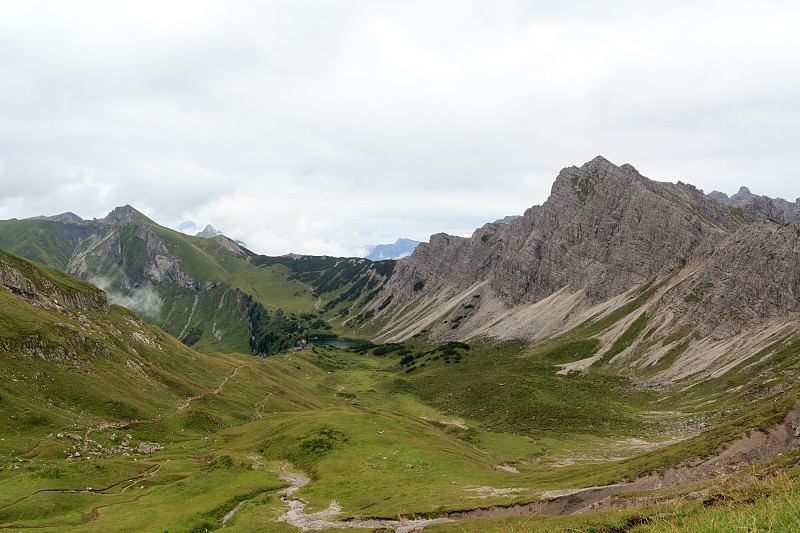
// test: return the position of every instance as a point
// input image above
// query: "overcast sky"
(322, 126)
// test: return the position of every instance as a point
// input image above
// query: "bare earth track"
(748, 450)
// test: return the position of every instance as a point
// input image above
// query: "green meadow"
(107, 423)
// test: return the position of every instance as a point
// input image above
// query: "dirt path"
(748, 450)
(184, 405)
(189, 400)
(296, 515)
(262, 404)
(89, 490)
(457, 423)
(233, 512)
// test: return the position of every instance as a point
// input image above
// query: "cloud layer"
(320, 127)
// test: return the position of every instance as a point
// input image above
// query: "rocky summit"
(607, 235)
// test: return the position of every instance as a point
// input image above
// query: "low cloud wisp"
(144, 300)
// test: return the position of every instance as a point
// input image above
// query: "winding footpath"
(123, 423)
(89, 490)
(182, 407)
(552, 502)
(297, 517)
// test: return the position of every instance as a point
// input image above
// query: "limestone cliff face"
(603, 231)
(757, 207)
(130, 251)
(753, 275)
(765, 208)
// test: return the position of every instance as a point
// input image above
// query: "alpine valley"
(624, 357)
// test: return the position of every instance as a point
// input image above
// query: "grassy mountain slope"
(409, 429)
(198, 289)
(65, 365)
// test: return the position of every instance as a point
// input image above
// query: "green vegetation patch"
(627, 338)
(523, 395)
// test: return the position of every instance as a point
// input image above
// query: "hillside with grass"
(210, 293)
(108, 422)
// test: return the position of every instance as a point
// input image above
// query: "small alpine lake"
(338, 342)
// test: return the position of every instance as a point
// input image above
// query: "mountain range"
(620, 307)
(401, 248)
(724, 268)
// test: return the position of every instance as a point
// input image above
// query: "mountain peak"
(69, 216)
(581, 182)
(125, 214)
(120, 214)
(598, 159)
(209, 232)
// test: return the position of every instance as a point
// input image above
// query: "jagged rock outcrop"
(603, 229)
(14, 280)
(765, 208)
(757, 207)
(737, 200)
(753, 275)
(119, 215)
(34, 286)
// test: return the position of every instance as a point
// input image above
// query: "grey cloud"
(315, 127)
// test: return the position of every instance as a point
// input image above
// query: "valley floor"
(330, 439)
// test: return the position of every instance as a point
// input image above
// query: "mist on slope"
(143, 300)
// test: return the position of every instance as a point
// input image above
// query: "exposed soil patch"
(491, 492)
(456, 423)
(749, 449)
(321, 520)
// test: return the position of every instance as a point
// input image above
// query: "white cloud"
(322, 127)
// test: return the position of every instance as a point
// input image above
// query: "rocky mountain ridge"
(610, 247)
(397, 250)
(603, 229)
(757, 207)
(659, 274)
